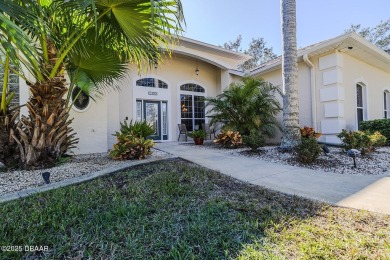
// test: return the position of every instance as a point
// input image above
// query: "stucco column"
(331, 97)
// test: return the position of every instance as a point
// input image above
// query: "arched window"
(151, 83)
(192, 87)
(386, 104)
(192, 106)
(361, 103)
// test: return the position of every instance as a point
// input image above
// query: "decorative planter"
(198, 141)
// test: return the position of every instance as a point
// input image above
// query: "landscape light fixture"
(325, 148)
(353, 153)
(46, 177)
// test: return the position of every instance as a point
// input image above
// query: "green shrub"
(360, 140)
(254, 140)
(308, 150)
(137, 129)
(246, 105)
(131, 141)
(380, 125)
(229, 139)
(129, 147)
(198, 134)
(377, 139)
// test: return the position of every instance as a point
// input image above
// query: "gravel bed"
(16, 180)
(337, 161)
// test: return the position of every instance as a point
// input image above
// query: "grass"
(177, 210)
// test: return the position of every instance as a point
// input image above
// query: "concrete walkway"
(369, 192)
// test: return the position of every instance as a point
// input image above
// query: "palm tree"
(93, 41)
(291, 134)
(14, 43)
(250, 104)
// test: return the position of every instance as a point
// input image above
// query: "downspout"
(312, 90)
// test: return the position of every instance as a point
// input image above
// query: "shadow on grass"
(173, 210)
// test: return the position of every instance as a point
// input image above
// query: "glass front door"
(152, 116)
(156, 114)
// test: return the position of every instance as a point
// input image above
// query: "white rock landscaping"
(337, 161)
(79, 165)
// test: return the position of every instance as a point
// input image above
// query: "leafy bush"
(360, 140)
(307, 132)
(377, 139)
(229, 139)
(131, 141)
(129, 147)
(250, 104)
(137, 129)
(254, 140)
(308, 150)
(380, 125)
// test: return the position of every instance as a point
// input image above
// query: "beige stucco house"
(341, 81)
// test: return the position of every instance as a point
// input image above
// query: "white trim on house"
(243, 56)
(364, 51)
(141, 93)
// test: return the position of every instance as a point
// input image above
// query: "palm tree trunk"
(8, 147)
(291, 134)
(45, 134)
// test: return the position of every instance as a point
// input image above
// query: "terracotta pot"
(198, 141)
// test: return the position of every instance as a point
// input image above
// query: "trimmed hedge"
(380, 125)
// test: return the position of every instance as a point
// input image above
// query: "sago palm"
(250, 104)
(93, 40)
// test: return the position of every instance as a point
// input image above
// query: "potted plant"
(198, 136)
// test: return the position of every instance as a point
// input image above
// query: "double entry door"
(156, 114)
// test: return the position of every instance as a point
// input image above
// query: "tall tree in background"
(378, 35)
(257, 49)
(291, 134)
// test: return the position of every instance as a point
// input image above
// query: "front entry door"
(152, 112)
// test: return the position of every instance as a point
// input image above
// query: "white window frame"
(364, 103)
(386, 104)
(192, 94)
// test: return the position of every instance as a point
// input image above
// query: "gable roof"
(362, 50)
(218, 56)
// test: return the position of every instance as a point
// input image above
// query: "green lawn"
(177, 210)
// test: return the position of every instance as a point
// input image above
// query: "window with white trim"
(361, 106)
(192, 106)
(151, 83)
(386, 104)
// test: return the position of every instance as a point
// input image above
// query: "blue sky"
(219, 21)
